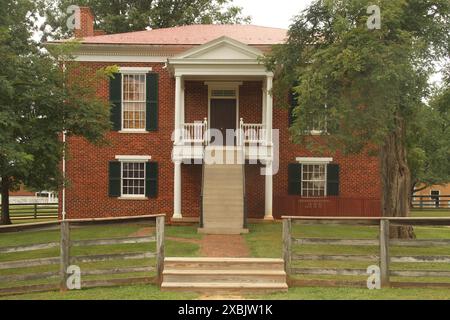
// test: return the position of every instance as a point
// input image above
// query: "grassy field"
(264, 240)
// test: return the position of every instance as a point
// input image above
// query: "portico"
(223, 66)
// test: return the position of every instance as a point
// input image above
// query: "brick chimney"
(86, 23)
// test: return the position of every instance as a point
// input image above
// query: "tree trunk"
(5, 219)
(395, 177)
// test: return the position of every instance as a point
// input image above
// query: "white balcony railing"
(251, 133)
(248, 133)
(195, 132)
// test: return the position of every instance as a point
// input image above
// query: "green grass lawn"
(326, 293)
(430, 213)
(138, 292)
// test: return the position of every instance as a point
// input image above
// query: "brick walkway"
(225, 246)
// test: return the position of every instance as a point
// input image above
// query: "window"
(133, 179)
(223, 93)
(133, 101)
(314, 180)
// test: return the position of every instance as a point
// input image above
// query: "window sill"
(134, 131)
(133, 198)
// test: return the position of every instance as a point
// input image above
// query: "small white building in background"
(39, 197)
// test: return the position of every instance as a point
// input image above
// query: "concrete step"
(212, 205)
(219, 229)
(224, 276)
(224, 288)
(196, 263)
(226, 188)
(225, 198)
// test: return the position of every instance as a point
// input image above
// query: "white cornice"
(120, 58)
(313, 160)
(252, 52)
(133, 158)
(135, 69)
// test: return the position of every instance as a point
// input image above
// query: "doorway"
(222, 118)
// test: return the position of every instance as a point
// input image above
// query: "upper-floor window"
(133, 101)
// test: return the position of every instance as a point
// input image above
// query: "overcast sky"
(272, 13)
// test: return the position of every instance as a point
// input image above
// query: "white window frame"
(315, 161)
(130, 159)
(134, 71)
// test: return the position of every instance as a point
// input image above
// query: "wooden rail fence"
(20, 211)
(383, 258)
(67, 258)
(431, 202)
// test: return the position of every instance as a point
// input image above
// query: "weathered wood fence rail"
(66, 258)
(33, 211)
(383, 258)
(424, 202)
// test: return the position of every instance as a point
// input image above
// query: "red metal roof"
(195, 35)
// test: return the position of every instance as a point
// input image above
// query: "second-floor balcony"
(194, 137)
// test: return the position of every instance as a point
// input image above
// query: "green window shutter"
(295, 179)
(115, 98)
(151, 179)
(114, 178)
(151, 115)
(333, 180)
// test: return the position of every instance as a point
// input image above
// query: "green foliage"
(137, 15)
(37, 104)
(370, 80)
(429, 142)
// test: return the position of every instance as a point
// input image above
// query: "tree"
(137, 15)
(372, 81)
(429, 143)
(36, 105)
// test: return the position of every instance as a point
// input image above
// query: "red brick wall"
(87, 165)
(196, 101)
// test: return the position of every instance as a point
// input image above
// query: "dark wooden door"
(223, 117)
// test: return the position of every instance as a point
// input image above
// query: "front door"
(223, 117)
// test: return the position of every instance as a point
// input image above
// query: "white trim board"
(119, 58)
(128, 158)
(313, 160)
(135, 70)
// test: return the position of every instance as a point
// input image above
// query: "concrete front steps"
(224, 275)
(223, 199)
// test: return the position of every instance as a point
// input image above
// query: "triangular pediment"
(223, 48)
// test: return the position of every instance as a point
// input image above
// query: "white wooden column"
(182, 103)
(268, 192)
(178, 107)
(264, 98)
(177, 163)
(269, 109)
(177, 190)
(268, 121)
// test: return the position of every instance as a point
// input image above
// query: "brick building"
(178, 89)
